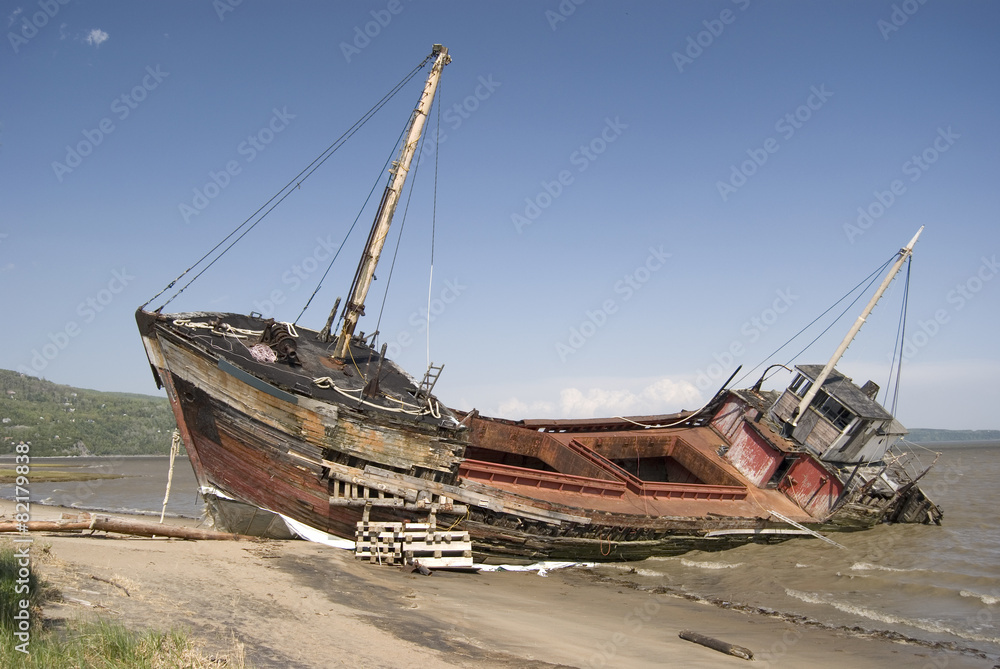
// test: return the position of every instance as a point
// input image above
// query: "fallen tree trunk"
(117, 525)
(716, 644)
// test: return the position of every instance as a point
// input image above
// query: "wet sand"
(297, 604)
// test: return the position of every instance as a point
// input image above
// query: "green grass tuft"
(94, 644)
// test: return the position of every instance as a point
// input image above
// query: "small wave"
(710, 565)
(868, 566)
(883, 617)
(637, 570)
(127, 511)
(989, 600)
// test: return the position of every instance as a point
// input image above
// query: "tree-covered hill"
(62, 420)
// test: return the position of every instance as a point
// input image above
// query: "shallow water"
(935, 584)
(139, 491)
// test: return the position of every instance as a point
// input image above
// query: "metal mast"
(376, 240)
(904, 253)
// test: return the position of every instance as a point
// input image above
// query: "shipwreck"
(292, 431)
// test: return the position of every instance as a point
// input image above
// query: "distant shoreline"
(971, 443)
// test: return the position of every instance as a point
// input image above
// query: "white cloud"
(96, 37)
(515, 407)
(661, 396)
(657, 397)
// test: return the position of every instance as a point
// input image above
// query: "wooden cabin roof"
(843, 389)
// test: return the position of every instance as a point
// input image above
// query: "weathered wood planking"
(407, 543)
(322, 425)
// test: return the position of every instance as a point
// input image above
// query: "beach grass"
(10, 592)
(111, 645)
(91, 643)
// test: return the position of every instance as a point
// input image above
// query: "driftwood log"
(716, 644)
(117, 525)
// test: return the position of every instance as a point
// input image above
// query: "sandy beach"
(298, 604)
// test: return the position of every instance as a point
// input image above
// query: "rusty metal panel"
(701, 465)
(811, 486)
(753, 456)
(499, 436)
(729, 416)
(496, 473)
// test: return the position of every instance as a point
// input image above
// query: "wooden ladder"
(430, 380)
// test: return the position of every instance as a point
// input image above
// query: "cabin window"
(796, 384)
(833, 411)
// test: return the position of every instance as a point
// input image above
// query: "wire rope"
(283, 193)
(869, 280)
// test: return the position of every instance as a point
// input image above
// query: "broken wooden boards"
(411, 543)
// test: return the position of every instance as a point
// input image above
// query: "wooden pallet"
(407, 543)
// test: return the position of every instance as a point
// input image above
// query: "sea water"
(934, 584)
(139, 488)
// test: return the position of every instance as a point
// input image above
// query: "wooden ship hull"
(268, 442)
(291, 430)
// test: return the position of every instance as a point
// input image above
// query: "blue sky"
(633, 198)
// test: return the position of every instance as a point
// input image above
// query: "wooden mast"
(904, 253)
(380, 228)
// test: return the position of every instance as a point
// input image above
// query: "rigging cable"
(870, 279)
(430, 280)
(351, 229)
(900, 345)
(296, 181)
(395, 253)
